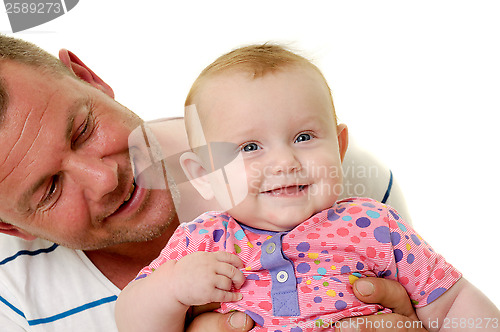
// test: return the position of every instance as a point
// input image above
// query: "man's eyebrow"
(72, 111)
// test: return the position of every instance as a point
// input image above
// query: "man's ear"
(81, 70)
(15, 231)
(343, 139)
(197, 175)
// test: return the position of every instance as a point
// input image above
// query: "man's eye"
(250, 147)
(303, 137)
(53, 190)
(83, 131)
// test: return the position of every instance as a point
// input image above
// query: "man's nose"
(97, 176)
(284, 161)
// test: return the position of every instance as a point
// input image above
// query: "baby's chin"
(281, 225)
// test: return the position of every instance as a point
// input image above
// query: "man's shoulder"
(47, 284)
(12, 247)
(37, 257)
(18, 256)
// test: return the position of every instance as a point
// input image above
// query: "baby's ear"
(197, 175)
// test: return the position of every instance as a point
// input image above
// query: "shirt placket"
(284, 293)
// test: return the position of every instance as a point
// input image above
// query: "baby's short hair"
(257, 60)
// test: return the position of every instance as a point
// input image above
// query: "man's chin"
(113, 241)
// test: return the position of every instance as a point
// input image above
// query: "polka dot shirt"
(302, 279)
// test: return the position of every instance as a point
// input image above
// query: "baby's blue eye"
(250, 147)
(303, 137)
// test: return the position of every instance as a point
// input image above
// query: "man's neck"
(121, 264)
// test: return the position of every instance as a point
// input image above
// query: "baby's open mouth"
(286, 190)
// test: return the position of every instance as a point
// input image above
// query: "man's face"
(65, 173)
(283, 125)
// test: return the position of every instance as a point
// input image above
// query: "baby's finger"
(226, 257)
(232, 273)
(225, 296)
(223, 283)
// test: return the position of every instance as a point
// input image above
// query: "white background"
(418, 83)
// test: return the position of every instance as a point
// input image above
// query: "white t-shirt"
(46, 287)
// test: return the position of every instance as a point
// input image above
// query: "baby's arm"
(160, 301)
(462, 308)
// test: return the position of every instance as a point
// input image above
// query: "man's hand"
(215, 322)
(391, 295)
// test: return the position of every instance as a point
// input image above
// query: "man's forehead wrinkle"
(21, 136)
(38, 132)
(21, 204)
(29, 114)
(18, 139)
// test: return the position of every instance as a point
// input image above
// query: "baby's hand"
(205, 277)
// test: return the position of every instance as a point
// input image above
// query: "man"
(81, 226)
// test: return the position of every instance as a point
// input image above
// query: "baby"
(266, 144)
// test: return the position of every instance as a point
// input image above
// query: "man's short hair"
(27, 53)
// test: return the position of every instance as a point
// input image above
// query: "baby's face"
(284, 126)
